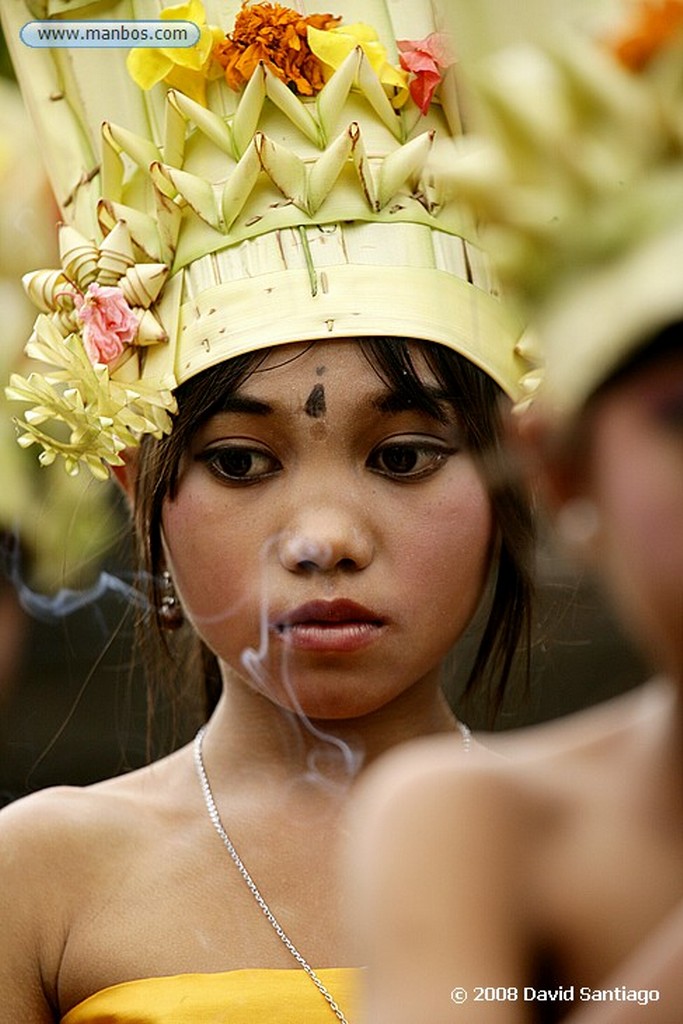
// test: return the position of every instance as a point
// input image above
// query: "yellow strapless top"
(262, 996)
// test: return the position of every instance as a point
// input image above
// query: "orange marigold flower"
(276, 36)
(655, 23)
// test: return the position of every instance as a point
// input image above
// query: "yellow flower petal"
(361, 32)
(194, 57)
(394, 77)
(192, 11)
(376, 54)
(331, 48)
(184, 68)
(334, 46)
(147, 67)
(191, 83)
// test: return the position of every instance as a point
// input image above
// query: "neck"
(250, 734)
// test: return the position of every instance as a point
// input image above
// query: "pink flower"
(109, 323)
(426, 59)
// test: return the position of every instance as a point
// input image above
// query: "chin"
(333, 707)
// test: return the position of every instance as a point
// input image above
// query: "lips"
(334, 626)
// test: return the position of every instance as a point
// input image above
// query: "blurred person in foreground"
(543, 882)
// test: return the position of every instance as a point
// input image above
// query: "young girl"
(269, 323)
(544, 882)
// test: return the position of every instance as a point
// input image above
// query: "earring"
(578, 523)
(170, 610)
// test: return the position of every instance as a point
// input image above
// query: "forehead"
(324, 365)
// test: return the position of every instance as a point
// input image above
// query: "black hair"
(476, 400)
(668, 341)
(479, 402)
(571, 444)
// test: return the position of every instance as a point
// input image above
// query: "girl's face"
(328, 543)
(636, 482)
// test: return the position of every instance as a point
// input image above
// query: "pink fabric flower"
(426, 59)
(109, 323)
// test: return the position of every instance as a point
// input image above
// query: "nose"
(326, 540)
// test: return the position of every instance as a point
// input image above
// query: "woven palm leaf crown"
(205, 218)
(578, 179)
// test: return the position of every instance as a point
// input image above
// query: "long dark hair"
(475, 398)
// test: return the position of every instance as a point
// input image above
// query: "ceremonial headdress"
(578, 178)
(269, 184)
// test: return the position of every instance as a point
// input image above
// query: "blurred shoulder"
(506, 783)
(435, 776)
(433, 804)
(442, 846)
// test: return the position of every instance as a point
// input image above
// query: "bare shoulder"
(434, 782)
(56, 834)
(57, 847)
(596, 732)
(509, 788)
(63, 819)
(46, 841)
(41, 831)
(428, 817)
(462, 859)
(439, 862)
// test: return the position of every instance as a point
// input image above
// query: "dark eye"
(411, 460)
(239, 464)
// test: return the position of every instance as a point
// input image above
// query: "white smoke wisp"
(66, 601)
(328, 750)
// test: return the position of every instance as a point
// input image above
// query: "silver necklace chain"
(465, 735)
(215, 818)
(251, 884)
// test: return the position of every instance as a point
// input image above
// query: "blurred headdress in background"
(577, 177)
(54, 529)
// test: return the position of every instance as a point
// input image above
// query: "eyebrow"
(244, 404)
(429, 400)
